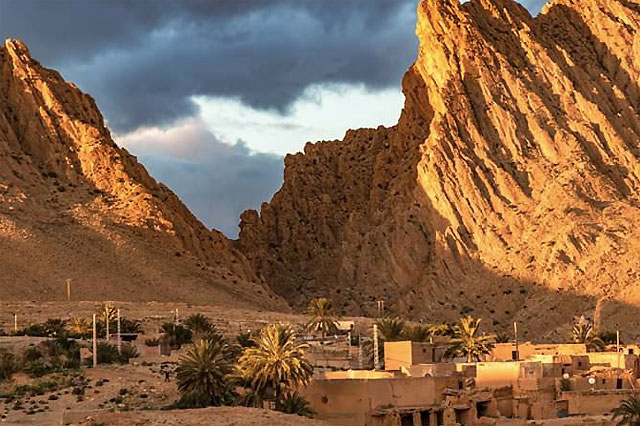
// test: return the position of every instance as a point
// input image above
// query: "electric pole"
(95, 343)
(376, 354)
(119, 335)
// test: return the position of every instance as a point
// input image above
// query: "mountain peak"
(510, 182)
(75, 205)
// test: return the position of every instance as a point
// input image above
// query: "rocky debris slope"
(75, 205)
(508, 189)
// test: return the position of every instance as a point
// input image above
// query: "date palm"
(323, 317)
(202, 375)
(276, 363)
(468, 342)
(628, 412)
(440, 330)
(417, 333)
(582, 332)
(294, 403)
(391, 329)
(199, 325)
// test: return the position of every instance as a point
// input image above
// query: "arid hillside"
(508, 189)
(73, 205)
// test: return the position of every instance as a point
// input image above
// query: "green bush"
(51, 356)
(52, 327)
(108, 354)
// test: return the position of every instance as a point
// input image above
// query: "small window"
(630, 351)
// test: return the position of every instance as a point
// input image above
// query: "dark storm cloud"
(143, 60)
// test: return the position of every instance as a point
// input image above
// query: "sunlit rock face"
(75, 205)
(508, 189)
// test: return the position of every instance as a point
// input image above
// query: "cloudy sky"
(211, 94)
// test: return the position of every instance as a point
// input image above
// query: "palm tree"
(440, 330)
(294, 403)
(276, 363)
(199, 325)
(582, 332)
(628, 411)
(108, 315)
(468, 342)
(502, 338)
(202, 375)
(323, 317)
(391, 329)
(417, 333)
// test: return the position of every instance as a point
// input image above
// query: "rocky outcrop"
(75, 205)
(508, 189)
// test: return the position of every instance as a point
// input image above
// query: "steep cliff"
(508, 189)
(75, 205)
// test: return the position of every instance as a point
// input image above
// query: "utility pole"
(515, 336)
(68, 289)
(15, 322)
(119, 335)
(107, 321)
(380, 304)
(176, 316)
(376, 354)
(359, 351)
(95, 343)
(618, 347)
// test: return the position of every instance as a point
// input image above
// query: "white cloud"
(323, 112)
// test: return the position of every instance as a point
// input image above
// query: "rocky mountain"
(508, 189)
(73, 205)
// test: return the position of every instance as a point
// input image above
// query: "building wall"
(397, 355)
(406, 354)
(593, 404)
(503, 351)
(352, 402)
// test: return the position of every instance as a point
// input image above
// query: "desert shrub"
(79, 328)
(51, 356)
(152, 342)
(3, 332)
(108, 353)
(128, 351)
(8, 365)
(52, 327)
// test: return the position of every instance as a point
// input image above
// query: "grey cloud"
(143, 60)
(216, 180)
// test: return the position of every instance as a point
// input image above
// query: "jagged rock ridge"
(75, 205)
(508, 189)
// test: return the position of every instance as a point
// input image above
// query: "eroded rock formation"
(75, 205)
(508, 189)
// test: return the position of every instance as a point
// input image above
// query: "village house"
(417, 388)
